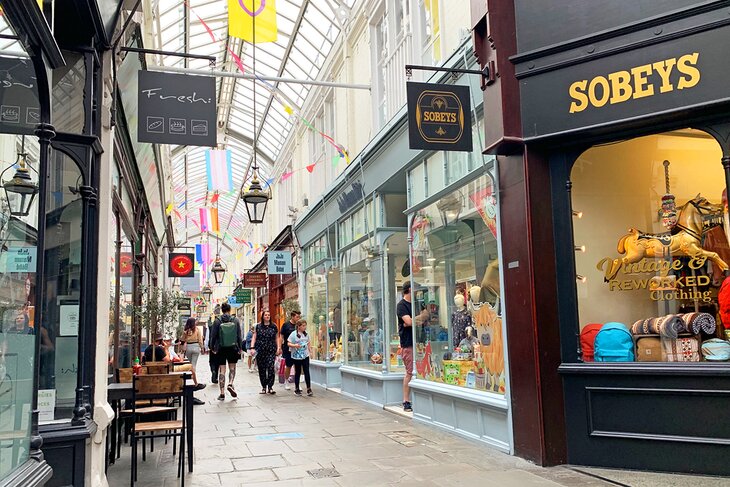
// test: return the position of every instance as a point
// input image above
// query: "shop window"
(334, 316)
(362, 301)
(62, 298)
(396, 251)
(435, 173)
(668, 190)
(417, 184)
(18, 257)
(459, 334)
(68, 94)
(316, 282)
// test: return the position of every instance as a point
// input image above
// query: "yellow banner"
(244, 15)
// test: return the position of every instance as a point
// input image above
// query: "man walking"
(286, 330)
(405, 332)
(226, 346)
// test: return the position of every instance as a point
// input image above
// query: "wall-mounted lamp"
(577, 214)
(580, 278)
(580, 248)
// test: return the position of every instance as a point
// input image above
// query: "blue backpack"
(614, 343)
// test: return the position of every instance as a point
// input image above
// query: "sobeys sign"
(439, 117)
(642, 275)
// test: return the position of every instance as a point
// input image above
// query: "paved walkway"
(285, 440)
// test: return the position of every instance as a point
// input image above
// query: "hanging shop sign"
(176, 109)
(279, 262)
(243, 296)
(19, 259)
(125, 264)
(669, 76)
(254, 279)
(19, 105)
(181, 265)
(439, 117)
(183, 304)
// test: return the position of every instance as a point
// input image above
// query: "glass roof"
(307, 30)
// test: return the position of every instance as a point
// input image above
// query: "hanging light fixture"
(218, 270)
(207, 292)
(449, 208)
(20, 191)
(255, 198)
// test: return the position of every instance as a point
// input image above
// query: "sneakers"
(232, 391)
(199, 387)
(407, 406)
(197, 402)
(287, 386)
(222, 397)
(298, 392)
(310, 393)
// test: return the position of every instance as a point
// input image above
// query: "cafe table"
(118, 392)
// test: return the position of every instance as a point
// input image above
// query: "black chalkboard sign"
(19, 105)
(176, 109)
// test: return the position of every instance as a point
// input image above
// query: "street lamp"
(20, 191)
(256, 198)
(207, 292)
(218, 270)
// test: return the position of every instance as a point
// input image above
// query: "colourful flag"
(246, 15)
(218, 169)
(209, 220)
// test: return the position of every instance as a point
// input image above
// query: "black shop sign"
(176, 109)
(674, 75)
(19, 105)
(439, 117)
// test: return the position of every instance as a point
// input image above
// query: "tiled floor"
(285, 440)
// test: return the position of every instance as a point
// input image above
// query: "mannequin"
(460, 320)
(474, 293)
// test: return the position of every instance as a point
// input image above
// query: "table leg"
(114, 428)
(189, 425)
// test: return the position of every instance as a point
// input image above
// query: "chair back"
(156, 368)
(155, 386)
(124, 375)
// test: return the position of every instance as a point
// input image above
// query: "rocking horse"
(686, 241)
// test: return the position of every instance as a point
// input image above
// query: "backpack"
(228, 333)
(587, 340)
(614, 343)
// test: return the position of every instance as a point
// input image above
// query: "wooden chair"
(157, 386)
(156, 368)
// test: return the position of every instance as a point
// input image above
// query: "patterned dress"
(266, 353)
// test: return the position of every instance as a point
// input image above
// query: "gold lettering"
(697, 261)
(620, 86)
(686, 65)
(664, 68)
(614, 285)
(577, 92)
(641, 89)
(605, 89)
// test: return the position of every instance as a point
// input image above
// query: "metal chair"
(157, 386)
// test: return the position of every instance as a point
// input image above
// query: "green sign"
(243, 296)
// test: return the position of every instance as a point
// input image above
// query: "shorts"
(227, 354)
(287, 359)
(407, 356)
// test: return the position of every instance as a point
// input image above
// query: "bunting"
(252, 21)
(218, 169)
(209, 220)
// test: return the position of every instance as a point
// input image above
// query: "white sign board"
(69, 319)
(46, 404)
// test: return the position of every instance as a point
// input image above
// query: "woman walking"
(193, 341)
(267, 343)
(301, 349)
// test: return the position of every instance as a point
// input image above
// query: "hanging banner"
(176, 109)
(181, 265)
(279, 262)
(439, 117)
(19, 105)
(254, 279)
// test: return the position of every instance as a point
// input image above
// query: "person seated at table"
(155, 352)
(172, 357)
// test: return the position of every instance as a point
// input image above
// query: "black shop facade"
(627, 133)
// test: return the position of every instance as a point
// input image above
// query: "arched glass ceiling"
(307, 32)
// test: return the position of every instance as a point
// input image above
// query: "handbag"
(648, 349)
(282, 370)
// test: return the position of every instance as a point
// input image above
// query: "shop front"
(628, 139)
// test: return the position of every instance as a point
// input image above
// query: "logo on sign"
(439, 117)
(181, 265)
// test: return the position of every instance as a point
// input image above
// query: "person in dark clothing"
(267, 343)
(404, 311)
(226, 344)
(286, 330)
(155, 352)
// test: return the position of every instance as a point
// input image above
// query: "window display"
(18, 272)
(652, 293)
(456, 290)
(316, 282)
(362, 302)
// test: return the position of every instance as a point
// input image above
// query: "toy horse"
(687, 241)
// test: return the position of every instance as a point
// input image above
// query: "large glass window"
(362, 302)
(650, 231)
(396, 251)
(316, 282)
(459, 334)
(62, 297)
(334, 316)
(18, 271)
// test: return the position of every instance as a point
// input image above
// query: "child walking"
(300, 351)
